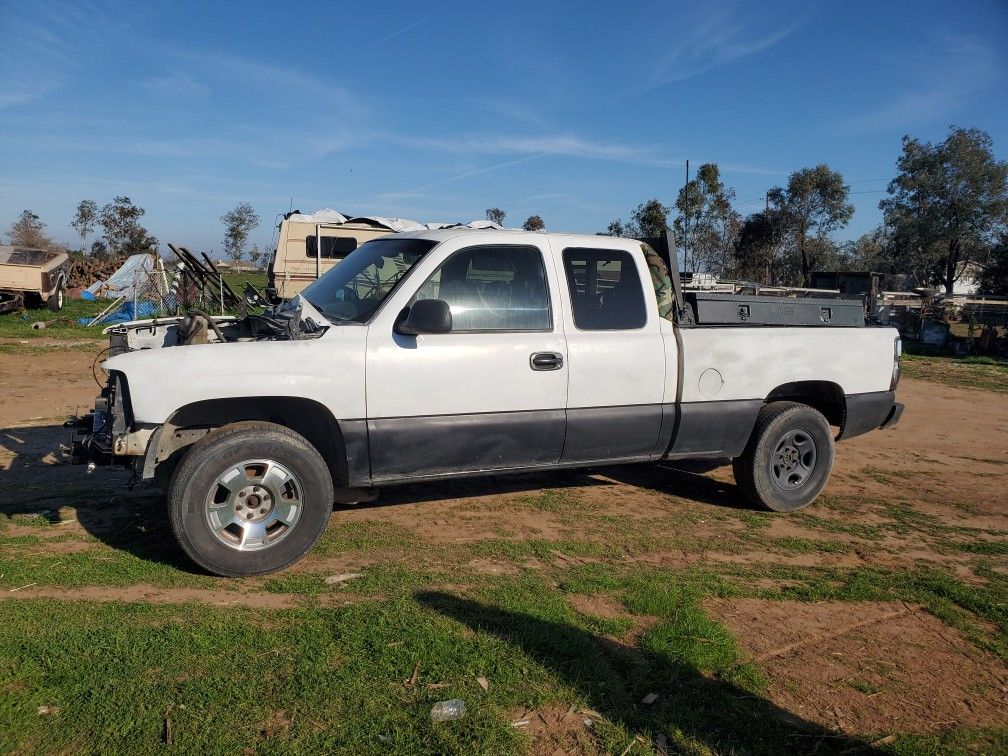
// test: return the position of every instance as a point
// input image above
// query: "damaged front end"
(105, 436)
(287, 321)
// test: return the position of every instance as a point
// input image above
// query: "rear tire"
(55, 302)
(788, 459)
(249, 498)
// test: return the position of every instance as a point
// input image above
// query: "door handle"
(546, 361)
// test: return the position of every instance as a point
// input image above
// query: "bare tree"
(27, 231)
(238, 224)
(496, 215)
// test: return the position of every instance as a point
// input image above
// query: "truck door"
(616, 354)
(491, 394)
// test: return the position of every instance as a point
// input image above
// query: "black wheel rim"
(794, 460)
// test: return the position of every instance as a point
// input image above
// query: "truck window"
(605, 289)
(355, 288)
(493, 288)
(332, 246)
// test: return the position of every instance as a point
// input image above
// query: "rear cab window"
(605, 289)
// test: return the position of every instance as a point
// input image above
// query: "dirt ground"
(869, 667)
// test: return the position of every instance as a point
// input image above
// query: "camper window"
(332, 246)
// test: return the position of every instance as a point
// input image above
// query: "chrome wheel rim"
(794, 459)
(253, 505)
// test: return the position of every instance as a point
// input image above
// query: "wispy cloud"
(509, 110)
(953, 72)
(549, 144)
(44, 41)
(405, 29)
(418, 191)
(177, 86)
(722, 36)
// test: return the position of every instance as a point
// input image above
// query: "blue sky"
(436, 111)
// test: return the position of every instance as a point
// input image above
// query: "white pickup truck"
(460, 352)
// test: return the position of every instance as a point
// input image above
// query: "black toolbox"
(716, 308)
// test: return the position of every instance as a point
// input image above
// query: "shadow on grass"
(693, 709)
(36, 483)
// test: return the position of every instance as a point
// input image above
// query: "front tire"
(788, 459)
(250, 498)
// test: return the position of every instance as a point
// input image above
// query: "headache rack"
(742, 303)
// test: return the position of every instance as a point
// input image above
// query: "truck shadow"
(613, 678)
(36, 483)
(684, 480)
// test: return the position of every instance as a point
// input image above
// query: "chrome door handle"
(546, 361)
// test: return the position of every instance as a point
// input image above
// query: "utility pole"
(685, 244)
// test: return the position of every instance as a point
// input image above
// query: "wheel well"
(824, 396)
(309, 418)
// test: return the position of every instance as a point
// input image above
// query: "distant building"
(231, 266)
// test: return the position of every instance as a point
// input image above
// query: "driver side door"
(492, 393)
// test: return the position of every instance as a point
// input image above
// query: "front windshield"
(359, 283)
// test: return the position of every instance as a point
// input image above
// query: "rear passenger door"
(616, 354)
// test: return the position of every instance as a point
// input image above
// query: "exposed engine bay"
(290, 320)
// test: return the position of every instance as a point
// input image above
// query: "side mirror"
(426, 316)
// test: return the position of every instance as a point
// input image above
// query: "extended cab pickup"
(460, 352)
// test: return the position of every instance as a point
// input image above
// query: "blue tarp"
(143, 311)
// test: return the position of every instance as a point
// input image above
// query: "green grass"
(987, 548)
(990, 373)
(327, 676)
(332, 679)
(15, 325)
(237, 281)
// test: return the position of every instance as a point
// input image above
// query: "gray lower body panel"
(355, 441)
(405, 448)
(714, 429)
(866, 412)
(604, 433)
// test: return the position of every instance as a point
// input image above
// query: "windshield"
(359, 283)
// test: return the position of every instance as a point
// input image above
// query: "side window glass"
(493, 288)
(605, 289)
(332, 246)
